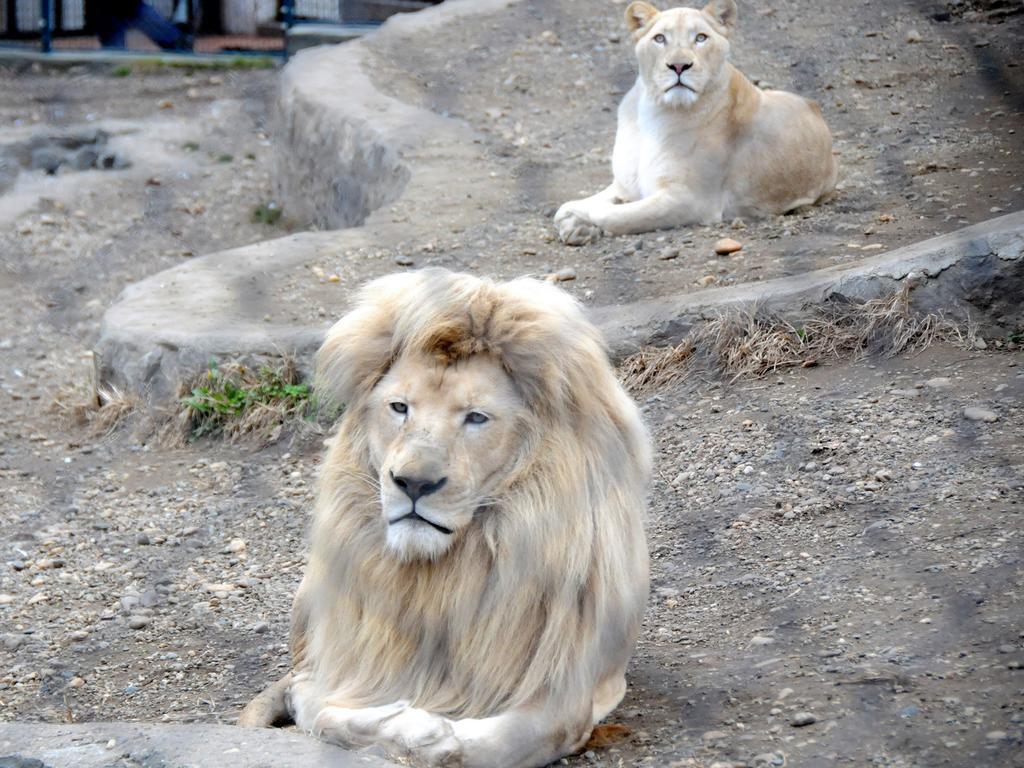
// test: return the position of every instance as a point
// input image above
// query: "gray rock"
(12, 642)
(20, 761)
(973, 413)
(84, 159)
(9, 170)
(138, 622)
(112, 161)
(801, 719)
(47, 159)
(83, 745)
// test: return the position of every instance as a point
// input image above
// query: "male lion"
(697, 141)
(479, 567)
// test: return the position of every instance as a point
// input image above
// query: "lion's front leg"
(522, 738)
(404, 732)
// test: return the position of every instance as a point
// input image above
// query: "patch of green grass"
(190, 65)
(190, 146)
(238, 401)
(122, 70)
(268, 213)
(225, 158)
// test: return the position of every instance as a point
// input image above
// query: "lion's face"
(443, 437)
(681, 52)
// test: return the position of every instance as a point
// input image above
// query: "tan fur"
(501, 644)
(714, 147)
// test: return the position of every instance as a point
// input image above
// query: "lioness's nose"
(680, 68)
(415, 487)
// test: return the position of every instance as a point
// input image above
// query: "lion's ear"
(358, 349)
(723, 13)
(639, 14)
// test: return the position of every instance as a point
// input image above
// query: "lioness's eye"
(701, 37)
(399, 407)
(660, 39)
(475, 417)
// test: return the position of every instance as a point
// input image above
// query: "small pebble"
(567, 273)
(727, 245)
(138, 622)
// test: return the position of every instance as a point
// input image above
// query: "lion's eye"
(475, 417)
(399, 407)
(701, 37)
(659, 39)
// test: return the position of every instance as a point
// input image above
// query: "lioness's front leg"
(575, 226)
(664, 209)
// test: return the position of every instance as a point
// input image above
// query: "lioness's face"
(680, 56)
(442, 437)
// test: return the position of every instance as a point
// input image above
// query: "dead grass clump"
(102, 412)
(654, 367)
(754, 343)
(235, 401)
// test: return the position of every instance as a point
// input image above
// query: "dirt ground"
(836, 552)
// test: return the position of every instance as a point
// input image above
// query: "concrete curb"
(169, 326)
(975, 272)
(151, 745)
(339, 142)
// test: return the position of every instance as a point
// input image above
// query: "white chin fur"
(678, 97)
(415, 540)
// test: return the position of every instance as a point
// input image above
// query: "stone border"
(151, 745)
(169, 326)
(973, 272)
(339, 142)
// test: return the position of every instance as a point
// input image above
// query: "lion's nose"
(415, 487)
(680, 68)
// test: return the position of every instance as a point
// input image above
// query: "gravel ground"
(836, 551)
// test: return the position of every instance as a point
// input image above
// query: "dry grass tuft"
(655, 367)
(102, 412)
(754, 343)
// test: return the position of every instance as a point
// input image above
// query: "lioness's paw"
(574, 228)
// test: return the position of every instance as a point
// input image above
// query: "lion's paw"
(574, 228)
(427, 739)
(403, 731)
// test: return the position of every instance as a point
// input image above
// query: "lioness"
(697, 141)
(479, 568)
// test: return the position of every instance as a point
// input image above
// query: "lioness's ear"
(639, 14)
(723, 13)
